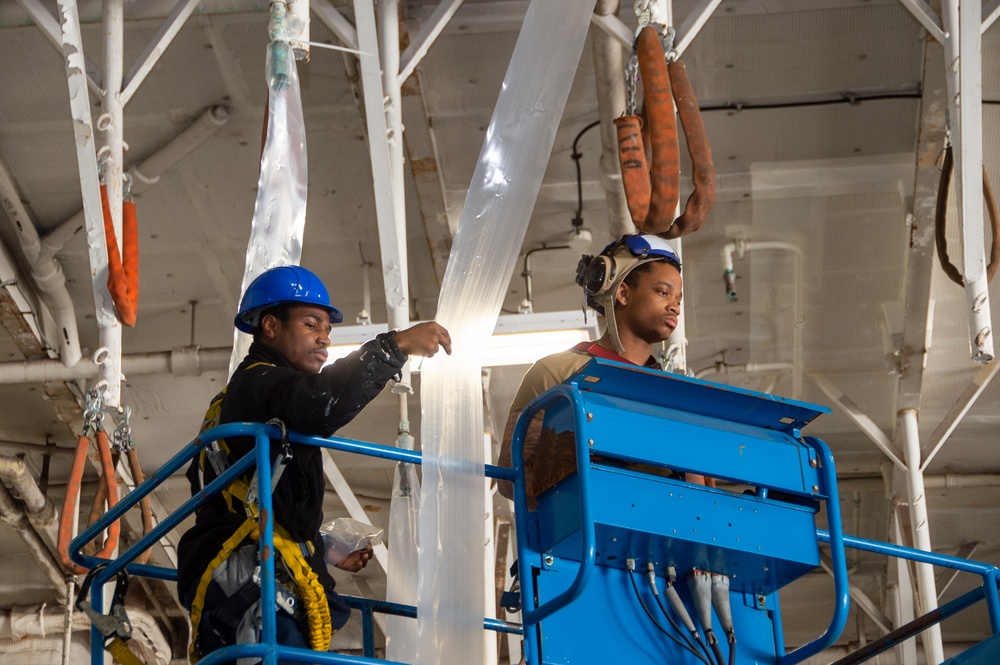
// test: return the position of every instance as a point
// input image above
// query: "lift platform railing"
(575, 396)
(105, 570)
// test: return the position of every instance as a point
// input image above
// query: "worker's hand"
(424, 339)
(355, 561)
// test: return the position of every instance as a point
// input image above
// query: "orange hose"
(635, 173)
(73, 486)
(72, 499)
(664, 173)
(703, 170)
(120, 279)
(147, 513)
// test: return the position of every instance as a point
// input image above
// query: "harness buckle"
(115, 625)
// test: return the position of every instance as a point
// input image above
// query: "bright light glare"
(506, 349)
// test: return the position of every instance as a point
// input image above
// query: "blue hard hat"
(283, 285)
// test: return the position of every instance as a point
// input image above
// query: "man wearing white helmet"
(289, 313)
(635, 282)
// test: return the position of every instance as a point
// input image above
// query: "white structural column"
(963, 47)
(86, 155)
(110, 124)
(909, 439)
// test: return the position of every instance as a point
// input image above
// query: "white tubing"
(183, 361)
(39, 510)
(497, 210)
(279, 214)
(13, 516)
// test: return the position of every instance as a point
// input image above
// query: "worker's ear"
(269, 326)
(621, 297)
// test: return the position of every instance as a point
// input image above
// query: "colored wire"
(631, 576)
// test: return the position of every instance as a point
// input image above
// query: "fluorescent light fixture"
(518, 339)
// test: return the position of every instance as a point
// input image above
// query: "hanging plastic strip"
(279, 214)
(493, 223)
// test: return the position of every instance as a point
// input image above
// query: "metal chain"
(631, 76)
(121, 439)
(93, 415)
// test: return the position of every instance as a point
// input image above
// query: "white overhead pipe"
(181, 361)
(22, 622)
(926, 593)
(37, 507)
(331, 17)
(13, 516)
(741, 247)
(146, 173)
(46, 272)
(725, 368)
(298, 28)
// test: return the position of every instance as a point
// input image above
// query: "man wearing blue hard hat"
(635, 283)
(289, 313)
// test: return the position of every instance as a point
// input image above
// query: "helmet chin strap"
(609, 316)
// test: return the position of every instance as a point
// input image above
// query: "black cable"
(663, 608)
(714, 643)
(631, 576)
(732, 648)
(577, 156)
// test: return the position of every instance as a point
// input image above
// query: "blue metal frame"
(682, 388)
(267, 649)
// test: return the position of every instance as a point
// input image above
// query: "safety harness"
(242, 494)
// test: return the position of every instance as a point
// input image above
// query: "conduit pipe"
(723, 368)
(13, 516)
(182, 361)
(46, 271)
(907, 429)
(739, 247)
(22, 622)
(145, 174)
(610, 84)
(37, 507)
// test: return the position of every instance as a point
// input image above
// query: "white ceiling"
(836, 179)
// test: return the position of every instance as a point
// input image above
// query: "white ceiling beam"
(948, 576)
(156, 47)
(614, 27)
(336, 22)
(425, 38)
(926, 16)
(693, 24)
(50, 28)
(859, 418)
(991, 12)
(964, 70)
(920, 257)
(958, 411)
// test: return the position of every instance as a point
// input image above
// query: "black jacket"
(314, 404)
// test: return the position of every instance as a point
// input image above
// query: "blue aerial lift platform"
(602, 539)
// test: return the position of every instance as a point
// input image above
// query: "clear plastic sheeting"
(279, 215)
(401, 581)
(505, 184)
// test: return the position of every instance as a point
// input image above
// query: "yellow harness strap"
(198, 604)
(121, 653)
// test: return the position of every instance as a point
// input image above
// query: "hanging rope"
(123, 280)
(648, 150)
(940, 221)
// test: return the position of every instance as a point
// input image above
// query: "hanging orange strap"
(123, 280)
(72, 499)
(652, 179)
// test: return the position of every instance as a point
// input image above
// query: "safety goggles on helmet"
(279, 286)
(598, 274)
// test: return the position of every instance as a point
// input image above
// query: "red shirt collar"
(598, 351)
